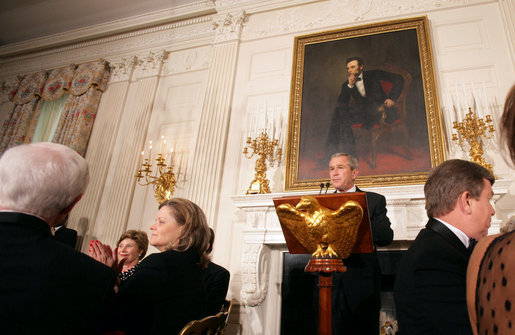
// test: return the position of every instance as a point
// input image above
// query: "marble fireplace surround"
(264, 245)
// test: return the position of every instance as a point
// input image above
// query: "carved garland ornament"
(255, 272)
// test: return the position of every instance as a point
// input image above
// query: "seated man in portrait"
(356, 292)
(362, 100)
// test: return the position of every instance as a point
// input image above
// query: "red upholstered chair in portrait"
(383, 128)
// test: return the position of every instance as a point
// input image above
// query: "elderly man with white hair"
(46, 287)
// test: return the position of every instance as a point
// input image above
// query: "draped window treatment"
(84, 84)
(49, 113)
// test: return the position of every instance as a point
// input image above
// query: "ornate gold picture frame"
(399, 151)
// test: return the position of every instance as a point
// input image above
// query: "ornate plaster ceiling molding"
(162, 19)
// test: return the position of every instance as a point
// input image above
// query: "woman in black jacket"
(167, 290)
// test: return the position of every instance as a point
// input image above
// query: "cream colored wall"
(197, 84)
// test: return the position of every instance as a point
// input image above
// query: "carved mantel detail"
(255, 269)
(406, 211)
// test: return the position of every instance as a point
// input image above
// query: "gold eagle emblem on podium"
(323, 232)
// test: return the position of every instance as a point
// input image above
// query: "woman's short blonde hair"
(138, 236)
(195, 232)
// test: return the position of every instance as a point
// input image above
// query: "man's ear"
(70, 207)
(463, 203)
(354, 174)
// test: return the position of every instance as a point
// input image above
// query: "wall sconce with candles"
(262, 142)
(475, 127)
(163, 180)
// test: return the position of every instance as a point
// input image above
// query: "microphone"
(321, 188)
(327, 186)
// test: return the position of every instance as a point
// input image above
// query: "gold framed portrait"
(395, 144)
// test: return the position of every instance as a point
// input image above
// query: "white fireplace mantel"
(264, 243)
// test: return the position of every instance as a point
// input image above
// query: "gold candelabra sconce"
(474, 129)
(268, 150)
(164, 179)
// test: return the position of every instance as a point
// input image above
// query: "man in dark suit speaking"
(361, 101)
(356, 292)
(430, 284)
(46, 287)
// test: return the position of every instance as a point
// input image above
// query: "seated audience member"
(64, 234)
(430, 285)
(508, 226)
(356, 294)
(491, 274)
(167, 291)
(132, 247)
(46, 287)
(216, 279)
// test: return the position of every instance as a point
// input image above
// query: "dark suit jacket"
(46, 287)
(67, 236)
(216, 280)
(163, 295)
(430, 285)
(352, 109)
(374, 90)
(356, 292)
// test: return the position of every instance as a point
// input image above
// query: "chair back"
(210, 325)
(226, 308)
(401, 100)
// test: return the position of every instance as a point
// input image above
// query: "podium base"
(325, 265)
(325, 268)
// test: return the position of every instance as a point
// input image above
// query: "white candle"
(485, 102)
(465, 95)
(450, 110)
(266, 128)
(247, 132)
(254, 122)
(274, 124)
(150, 151)
(161, 146)
(171, 157)
(180, 163)
(476, 101)
(281, 135)
(458, 99)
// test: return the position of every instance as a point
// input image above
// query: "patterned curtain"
(76, 122)
(85, 85)
(25, 98)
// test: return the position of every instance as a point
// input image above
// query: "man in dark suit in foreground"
(361, 101)
(45, 286)
(216, 280)
(430, 285)
(356, 292)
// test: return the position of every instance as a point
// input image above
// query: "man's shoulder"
(374, 195)
(371, 195)
(77, 259)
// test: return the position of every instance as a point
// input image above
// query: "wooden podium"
(326, 266)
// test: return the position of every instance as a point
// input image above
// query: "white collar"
(352, 189)
(459, 234)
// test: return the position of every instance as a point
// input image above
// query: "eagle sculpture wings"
(323, 232)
